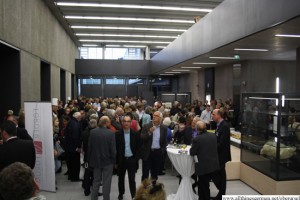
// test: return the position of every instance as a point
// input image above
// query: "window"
(91, 81)
(115, 81)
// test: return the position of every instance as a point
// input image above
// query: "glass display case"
(270, 141)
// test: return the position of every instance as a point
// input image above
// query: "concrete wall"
(112, 67)
(30, 26)
(30, 77)
(260, 76)
(223, 82)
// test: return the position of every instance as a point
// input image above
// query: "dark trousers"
(73, 163)
(129, 164)
(203, 186)
(219, 179)
(153, 164)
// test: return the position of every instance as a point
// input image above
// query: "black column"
(45, 81)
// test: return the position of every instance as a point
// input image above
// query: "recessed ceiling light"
(172, 72)
(225, 58)
(129, 28)
(287, 35)
(191, 67)
(123, 35)
(159, 47)
(105, 5)
(181, 70)
(135, 46)
(204, 63)
(166, 74)
(131, 19)
(153, 51)
(126, 41)
(238, 49)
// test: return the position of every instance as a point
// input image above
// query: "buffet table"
(184, 164)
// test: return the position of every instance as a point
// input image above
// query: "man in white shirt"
(206, 116)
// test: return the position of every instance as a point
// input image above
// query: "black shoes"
(194, 185)
(120, 197)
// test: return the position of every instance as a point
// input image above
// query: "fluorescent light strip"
(237, 49)
(203, 63)
(104, 5)
(286, 35)
(225, 58)
(112, 45)
(181, 70)
(131, 19)
(191, 67)
(129, 28)
(120, 35)
(159, 47)
(135, 46)
(125, 41)
(166, 74)
(89, 45)
(173, 72)
(153, 51)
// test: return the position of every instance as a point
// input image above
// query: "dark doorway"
(45, 81)
(10, 80)
(72, 86)
(63, 85)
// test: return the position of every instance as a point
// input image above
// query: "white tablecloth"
(184, 164)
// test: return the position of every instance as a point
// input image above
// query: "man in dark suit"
(73, 146)
(154, 141)
(127, 143)
(223, 141)
(205, 148)
(21, 132)
(101, 157)
(14, 149)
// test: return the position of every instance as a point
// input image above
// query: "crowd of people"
(114, 133)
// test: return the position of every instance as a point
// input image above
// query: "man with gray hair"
(73, 147)
(204, 147)
(88, 172)
(154, 141)
(102, 157)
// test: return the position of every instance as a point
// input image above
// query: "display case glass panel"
(270, 141)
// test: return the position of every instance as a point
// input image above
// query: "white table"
(184, 164)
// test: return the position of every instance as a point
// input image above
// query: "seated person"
(17, 182)
(150, 190)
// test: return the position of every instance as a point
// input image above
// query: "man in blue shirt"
(127, 144)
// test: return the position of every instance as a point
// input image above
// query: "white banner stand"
(38, 122)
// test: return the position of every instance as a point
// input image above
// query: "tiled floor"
(72, 191)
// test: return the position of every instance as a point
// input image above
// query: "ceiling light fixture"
(159, 47)
(181, 70)
(131, 19)
(191, 67)
(173, 72)
(238, 49)
(129, 28)
(134, 46)
(153, 51)
(112, 45)
(104, 5)
(123, 35)
(89, 45)
(126, 41)
(166, 74)
(225, 58)
(203, 63)
(287, 35)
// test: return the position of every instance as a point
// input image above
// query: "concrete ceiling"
(279, 48)
(60, 11)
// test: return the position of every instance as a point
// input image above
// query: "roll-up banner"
(38, 122)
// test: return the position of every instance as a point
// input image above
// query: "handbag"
(59, 149)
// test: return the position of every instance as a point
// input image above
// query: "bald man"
(101, 157)
(205, 148)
